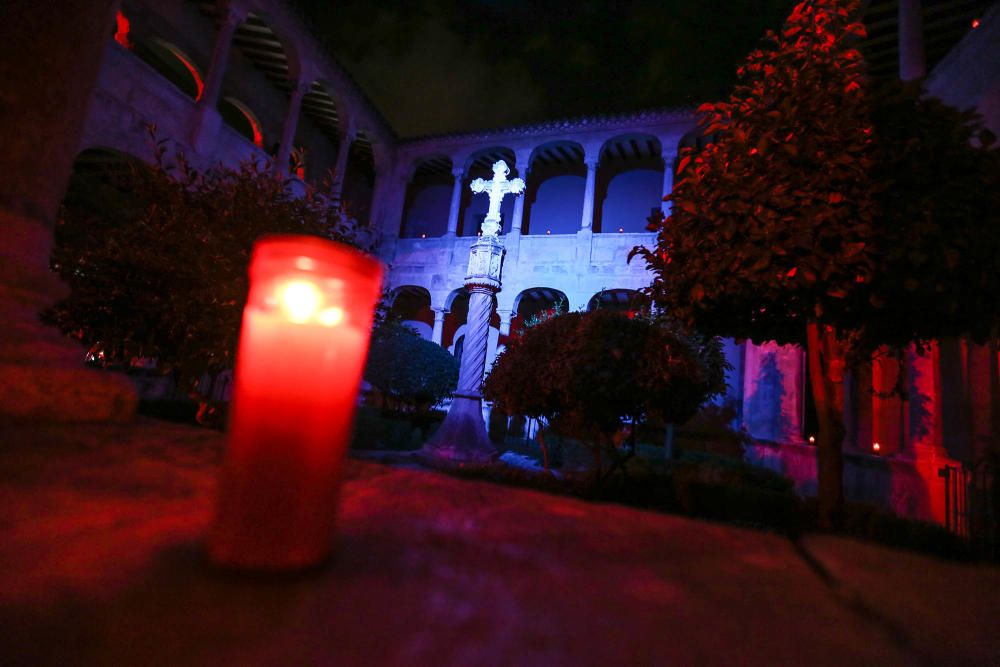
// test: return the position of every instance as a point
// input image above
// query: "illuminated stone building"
(246, 79)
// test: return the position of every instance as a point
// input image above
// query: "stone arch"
(412, 305)
(97, 183)
(323, 112)
(277, 57)
(104, 162)
(428, 198)
(533, 301)
(359, 179)
(619, 300)
(555, 189)
(457, 303)
(241, 118)
(172, 63)
(473, 208)
(694, 141)
(629, 183)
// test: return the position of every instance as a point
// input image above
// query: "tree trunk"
(826, 374)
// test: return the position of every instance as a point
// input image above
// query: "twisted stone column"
(462, 437)
(477, 330)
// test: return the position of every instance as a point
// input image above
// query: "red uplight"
(190, 67)
(122, 28)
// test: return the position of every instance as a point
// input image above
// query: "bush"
(156, 257)
(588, 374)
(875, 524)
(408, 371)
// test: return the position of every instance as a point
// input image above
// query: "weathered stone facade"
(239, 79)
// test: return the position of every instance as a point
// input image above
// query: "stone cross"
(496, 189)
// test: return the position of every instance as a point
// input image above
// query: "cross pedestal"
(462, 436)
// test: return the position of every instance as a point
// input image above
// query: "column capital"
(458, 172)
(302, 85)
(440, 310)
(591, 163)
(233, 13)
(522, 157)
(347, 135)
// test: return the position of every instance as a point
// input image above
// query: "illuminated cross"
(496, 189)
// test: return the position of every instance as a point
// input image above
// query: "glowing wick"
(876, 447)
(812, 439)
(300, 299)
(975, 23)
(621, 230)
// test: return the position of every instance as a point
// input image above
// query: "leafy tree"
(156, 256)
(827, 216)
(588, 374)
(408, 370)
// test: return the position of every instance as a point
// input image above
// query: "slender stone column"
(668, 179)
(207, 120)
(912, 58)
(340, 169)
(477, 329)
(220, 56)
(456, 202)
(518, 218)
(438, 333)
(588, 194)
(513, 239)
(523, 168)
(506, 315)
(42, 114)
(291, 124)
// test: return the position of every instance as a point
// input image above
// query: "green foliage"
(770, 224)
(874, 213)
(937, 236)
(156, 258)
(409, 370)
(588, 373)
(827, 213)
(557, 309)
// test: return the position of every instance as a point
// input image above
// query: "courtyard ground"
(101, 563)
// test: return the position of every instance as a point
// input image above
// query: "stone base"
(41, 393)
(462, 436)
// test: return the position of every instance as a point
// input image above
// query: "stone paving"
(101, 563)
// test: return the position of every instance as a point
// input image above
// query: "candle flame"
(331, 317)
(299, 299)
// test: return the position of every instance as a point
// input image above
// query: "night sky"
(435, 66)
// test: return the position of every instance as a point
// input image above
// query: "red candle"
(302, 351)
